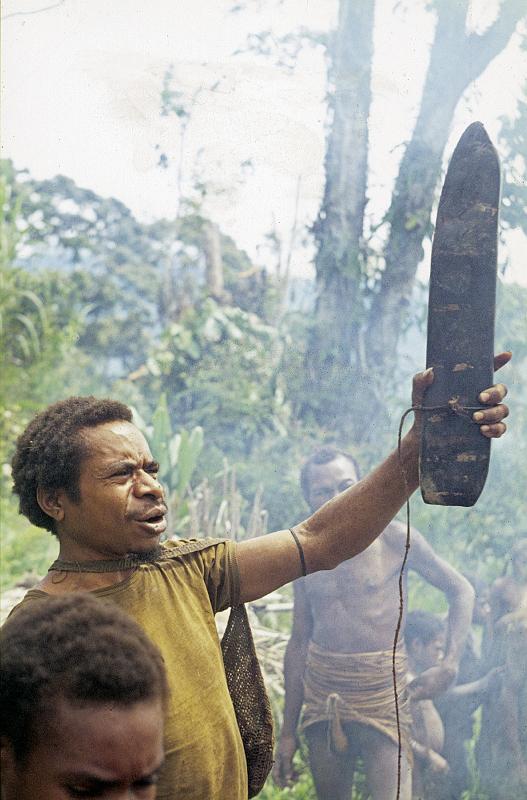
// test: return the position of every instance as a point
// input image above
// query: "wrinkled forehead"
(93, 738)
(332, 473)
(115, 440)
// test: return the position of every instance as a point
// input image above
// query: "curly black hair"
(324, 455)
(74, 647)
(49, 452)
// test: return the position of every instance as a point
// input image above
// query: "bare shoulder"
(422, 556)
(395, 533)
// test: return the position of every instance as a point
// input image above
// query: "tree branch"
(483, 48)
(36, 11)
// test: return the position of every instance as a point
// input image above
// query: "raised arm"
(460, 596)
(350, 522)
(457, 590)
(294, 666)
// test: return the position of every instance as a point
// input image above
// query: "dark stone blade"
(454, 456)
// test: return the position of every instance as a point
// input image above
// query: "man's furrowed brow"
(95, 784)
(120, 463)
(131, 463)
(90, 782)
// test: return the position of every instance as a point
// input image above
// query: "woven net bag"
(249, 698)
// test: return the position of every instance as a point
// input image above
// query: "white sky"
(81, 87)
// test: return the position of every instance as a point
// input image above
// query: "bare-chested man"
(338, 662)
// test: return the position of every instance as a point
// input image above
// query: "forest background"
(280, 302)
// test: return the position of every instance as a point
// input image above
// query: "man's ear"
(50, 501)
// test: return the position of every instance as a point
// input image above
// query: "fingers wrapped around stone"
(493, 394)
(491, 415)
(493, 431)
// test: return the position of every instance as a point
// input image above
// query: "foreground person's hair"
(49, 452)
(77, 648)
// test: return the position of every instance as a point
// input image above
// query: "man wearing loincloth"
(338, 662)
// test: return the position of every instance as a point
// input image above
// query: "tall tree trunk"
(339, 227)
(213, 260)
(457, 59)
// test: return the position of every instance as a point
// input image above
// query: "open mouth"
(154, 522)
(154, 515)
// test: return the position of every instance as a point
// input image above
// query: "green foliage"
(22, 322)
(26, 550)
(303, 789)
(109, 263)
(218, 366)
(22, 315)
(37, 332)
(127, 280)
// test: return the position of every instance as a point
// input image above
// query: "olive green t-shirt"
(174, 600)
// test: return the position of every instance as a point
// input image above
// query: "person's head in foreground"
(83, 692)
(424, 637)
(84, 471)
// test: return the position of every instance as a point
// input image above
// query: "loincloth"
(356, 687)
